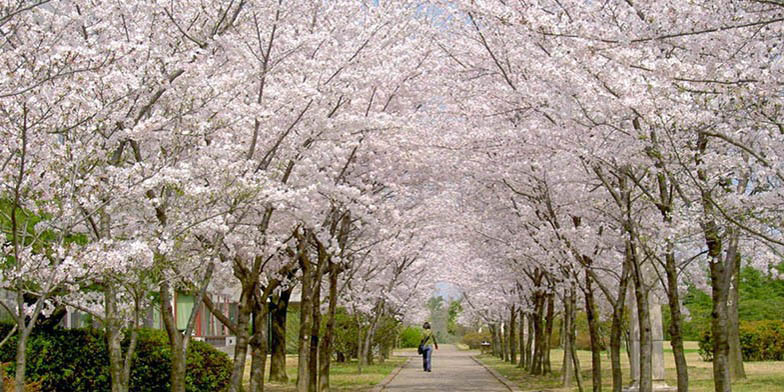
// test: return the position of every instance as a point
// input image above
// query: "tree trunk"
(512, 335)
(593, 329)
(536, 366)
(573, 337)
(676, 322)
(736, 355)
(494, 341)
(617, 328)
(278, 313)
(567, 366)
(529, 342)
(644, 321)
(366, 353)
(616, 332)
(548, 335)
(502, 336)
(314, 334)
(114, 340)
(258, 344)
(176, 340)
(21, 358)
(325, 352)
(521, 340)
(243, 339)
(721, 276)
(305, 324)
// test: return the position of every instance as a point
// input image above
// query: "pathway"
(453, 371)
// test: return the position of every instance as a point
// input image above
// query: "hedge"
(410, 337)
(77, 360)
(759, 340)
(474, 339)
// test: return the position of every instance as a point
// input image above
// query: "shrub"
(474, 339)
(759, 340)
(410, 337)
(77, 360)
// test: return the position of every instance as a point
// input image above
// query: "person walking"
(427, 348)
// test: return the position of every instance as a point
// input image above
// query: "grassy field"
(762, 376)
(343, 376)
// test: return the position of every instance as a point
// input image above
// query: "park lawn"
(344, 377)
(766, 376)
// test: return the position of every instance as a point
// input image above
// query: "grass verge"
(344, 377)
(767, 376)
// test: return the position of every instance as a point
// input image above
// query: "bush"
(410, 337)
(78, 360)
(759, 340)
(474, 339)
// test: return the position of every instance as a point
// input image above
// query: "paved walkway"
(453, 371)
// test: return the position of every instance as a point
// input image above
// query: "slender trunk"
(549, 321)
(512, 335)
(325, 352)
(721, 276)
(573, 337)
(720, 327)
(21, 358)
(644, 320)
(305, 324)
(242, 340)
(616, 332)
(502, 336)
(367, 352)
(178, 340)
(676, 322)
(521, 340)
(278, 313)
(314, 336)
(529, 342)
(129, 355)
(494, 340)
(736, 355)
(114, 340)
(567, 366)
(177, 375)
(258, 345)
(536, 366)
(593, 329)
(360, 339)
(315, 331)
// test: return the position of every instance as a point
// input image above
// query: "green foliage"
(386, 332)
(583, 337)
(77, 360)
(346, 334)
(410, 337)
(292, 328)
(474, 339)
(759, 340)
(761, 298)
(455, 308)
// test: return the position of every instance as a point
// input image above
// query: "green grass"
(344, 377)
(767, 376)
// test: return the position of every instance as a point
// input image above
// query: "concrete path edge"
(383, 384)
(508, 384)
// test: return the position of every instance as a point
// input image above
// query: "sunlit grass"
(343, 376)
(765, 376)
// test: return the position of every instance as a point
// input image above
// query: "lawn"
(344, 377)
(765, 376)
